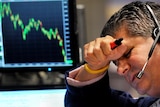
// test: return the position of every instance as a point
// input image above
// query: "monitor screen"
(33, 98)
(38, 35)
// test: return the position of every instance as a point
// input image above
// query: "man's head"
(135, 24)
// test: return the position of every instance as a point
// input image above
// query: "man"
(136, 55)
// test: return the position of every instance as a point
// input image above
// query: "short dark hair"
(135, 17)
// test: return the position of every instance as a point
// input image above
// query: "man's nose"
(123, 67)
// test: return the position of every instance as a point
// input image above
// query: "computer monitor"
(38, 35)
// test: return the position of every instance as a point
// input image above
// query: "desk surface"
(33, 98)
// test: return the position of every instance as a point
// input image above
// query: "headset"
(156, 34)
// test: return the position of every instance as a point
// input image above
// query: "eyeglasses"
(156, 34)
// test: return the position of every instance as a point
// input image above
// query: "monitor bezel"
(73, 41)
